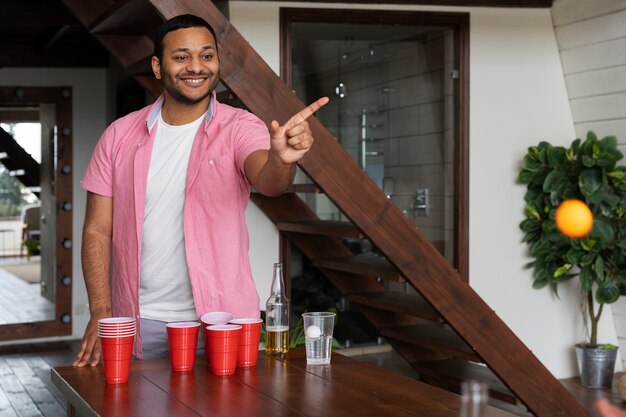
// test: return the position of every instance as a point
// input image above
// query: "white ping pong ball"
(313, 332)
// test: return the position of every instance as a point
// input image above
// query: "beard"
(177, 94)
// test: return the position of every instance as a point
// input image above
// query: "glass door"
(398, 88)
(392, 109)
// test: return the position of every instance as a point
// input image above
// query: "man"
(167, 190)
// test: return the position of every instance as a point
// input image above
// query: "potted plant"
(33, 247)
(587, 171)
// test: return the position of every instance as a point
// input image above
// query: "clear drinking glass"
(318, 332)
(474, 397)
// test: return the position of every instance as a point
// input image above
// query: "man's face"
(190, 67)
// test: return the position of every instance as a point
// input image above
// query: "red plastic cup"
(182, 338)
(116, 322)
(222, 344)
(116, 357)
(210, 319)
(248, 341)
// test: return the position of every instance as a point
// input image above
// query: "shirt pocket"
(218, 179)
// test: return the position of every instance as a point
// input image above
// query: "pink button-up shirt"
(216, 196)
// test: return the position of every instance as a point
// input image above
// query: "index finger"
(305, 113)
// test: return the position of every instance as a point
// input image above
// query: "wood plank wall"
(592, 42)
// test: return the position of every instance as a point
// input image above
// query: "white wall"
(89, 121)
(518, 98)
(592, 42)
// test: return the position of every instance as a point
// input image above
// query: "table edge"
(81, 406)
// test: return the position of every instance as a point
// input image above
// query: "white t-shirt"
(164, 286)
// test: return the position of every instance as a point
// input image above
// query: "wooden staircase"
(408, 322)
(449, 328)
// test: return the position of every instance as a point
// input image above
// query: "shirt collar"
(156, 109)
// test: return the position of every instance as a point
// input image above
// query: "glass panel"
(392, 109)
(26, 299)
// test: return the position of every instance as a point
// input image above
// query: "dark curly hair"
(182, 21)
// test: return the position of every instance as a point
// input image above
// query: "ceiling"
(43, 33)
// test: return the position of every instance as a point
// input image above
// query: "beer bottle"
(277, 315)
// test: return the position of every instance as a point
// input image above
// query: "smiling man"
(164, 237)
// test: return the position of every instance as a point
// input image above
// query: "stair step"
(438, 338)
(370, 266)
(322, 227)
(451, 372)
(411, 305)
(131, 17)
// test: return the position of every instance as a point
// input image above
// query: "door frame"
(459, 22)
(61, 98)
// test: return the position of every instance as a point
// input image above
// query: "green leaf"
(607, 293)
(562, 270)
(603, 230)
(531, 164)
(532, 213)
(590, 181)
(606, 161)
(587, 244)
(588, 161)
(586, 279)
(621, 276)
(525, 177)
(553, 180)
(616, 174)
(573, 256)
(531, 236)
(575, 147)
(599, 268)
(556, 156)
(530, 225)
(609, 142)
(596, 150)
(540, 283)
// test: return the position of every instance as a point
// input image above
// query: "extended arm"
(96, 259)
(271, 172)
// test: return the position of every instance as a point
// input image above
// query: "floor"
(20, 301)
(25, 386)
(26, 389)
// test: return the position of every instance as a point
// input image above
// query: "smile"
(195, 81)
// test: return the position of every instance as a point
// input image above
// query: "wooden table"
(275, 387)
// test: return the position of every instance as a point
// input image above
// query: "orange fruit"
(573, 218)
